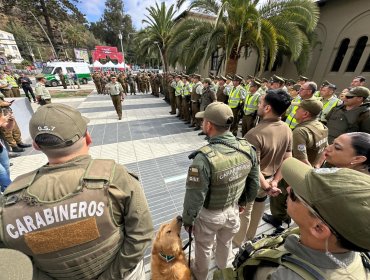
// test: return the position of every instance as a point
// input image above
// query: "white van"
(51, 70)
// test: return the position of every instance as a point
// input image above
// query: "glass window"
(340, 55)
(14, 48)
(357, 53)
(47, 70)
(10, 37)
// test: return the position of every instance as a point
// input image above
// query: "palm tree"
(159, 32)
(276, 27)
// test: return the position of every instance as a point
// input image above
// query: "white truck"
(51, 70)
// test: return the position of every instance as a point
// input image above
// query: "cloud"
(92, 8)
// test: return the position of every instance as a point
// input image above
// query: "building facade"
(8, 47)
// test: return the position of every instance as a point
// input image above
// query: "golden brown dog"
(168, 258)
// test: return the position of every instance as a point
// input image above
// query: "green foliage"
(270, 28)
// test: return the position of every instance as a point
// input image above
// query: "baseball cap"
(340, 196)
(14, 265)
(312, 105)
(59, 120)
(359, 92)
(218, 113)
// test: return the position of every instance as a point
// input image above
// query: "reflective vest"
(75, 237)
(179, 88)
(229, 172)
(186, 90)
(235, 97)
(290, 120)
(247, 87)
(328, 105)
(11, 81)
(251, 103)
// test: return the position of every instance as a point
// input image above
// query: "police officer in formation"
(75, 217)
(221, 180)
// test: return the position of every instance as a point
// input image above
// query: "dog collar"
(167, 258)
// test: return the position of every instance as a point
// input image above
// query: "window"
(214, 61)
(367, 65)
(357, 53)
(14, 48)
(340, 55)
(10, 37)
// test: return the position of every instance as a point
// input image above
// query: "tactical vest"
(290, 120)
(234, 97)
(228, 175)
(251, 103)
(74, 237)
(268, 251)
(320, 138)
(179, 88)
(194, 95)
(327, 107)
(343, 121)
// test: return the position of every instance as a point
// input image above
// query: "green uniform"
(250, 111)
(115, 90)
(42, 94)
(82, 219)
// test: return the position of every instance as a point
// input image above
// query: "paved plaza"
(148, 140)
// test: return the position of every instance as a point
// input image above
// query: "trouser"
(250, 219)
(64, 84)
(278, 204)
(44, 101)
(185, 109)
(138, 273)
(7, 92)
(12, 136)
(178, 105)
(77, 83)
(195, 108)
(172, 101)
(4, 168)
(211, 226)
(71, 83)
(27, 91)
(116, 99)
(235, 124)
(16, 92)
(132, 88)
(248, 123)
(98, 87)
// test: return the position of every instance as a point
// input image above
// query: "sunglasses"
(296, 198)
(350, 97)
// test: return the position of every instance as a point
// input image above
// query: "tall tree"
(112, 22)
(51, 11)
(159, 32)
(280, 25)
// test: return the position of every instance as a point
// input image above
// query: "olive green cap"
(237, 78)
(277, 79)
(207, 80)
(359, 92)
(39, 76)
(59, 120)
(218, 113)
(297, 87)
(197, 76)
(312, 105)
(223, 78)
(15, 265)
(303, 78)
(340, 196)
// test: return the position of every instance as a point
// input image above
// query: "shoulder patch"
(301, 147)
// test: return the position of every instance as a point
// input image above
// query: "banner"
(82, 55)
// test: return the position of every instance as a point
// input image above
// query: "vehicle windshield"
(47, 70)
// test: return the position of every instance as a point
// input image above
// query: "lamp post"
(160, 52)
(120, 38)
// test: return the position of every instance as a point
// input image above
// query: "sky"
(93, 9)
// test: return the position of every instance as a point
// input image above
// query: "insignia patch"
(301, 147)
(193, 171)
(326, 170)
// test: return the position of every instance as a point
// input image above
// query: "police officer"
(77, 218)
(250, 107)
(221, 94)
(171, 93)
(310, 138)
(352, 116)
(328, 99)
(42, 93)
(115, 90)
(196, 95)
(178, 94)
(222, 178)
(236, 98)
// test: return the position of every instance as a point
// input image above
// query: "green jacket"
(198, 184)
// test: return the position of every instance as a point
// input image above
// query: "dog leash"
(189, 243)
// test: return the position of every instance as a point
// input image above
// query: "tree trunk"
(46, 16)
(165, 60)
(231, 65)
